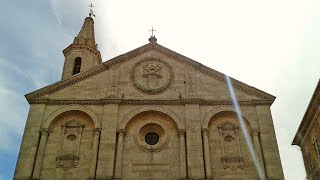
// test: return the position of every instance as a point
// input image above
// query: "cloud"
(12, 121)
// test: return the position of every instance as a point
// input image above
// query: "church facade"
(150, 113)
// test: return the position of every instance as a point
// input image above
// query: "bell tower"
(82, 54)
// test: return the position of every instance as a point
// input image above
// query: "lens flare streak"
(247, 136)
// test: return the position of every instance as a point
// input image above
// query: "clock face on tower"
(152, 76)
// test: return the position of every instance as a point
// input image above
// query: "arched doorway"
(151, 147)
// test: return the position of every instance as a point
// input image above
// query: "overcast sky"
(272, 45)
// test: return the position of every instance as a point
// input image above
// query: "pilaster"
(42, 146)
(206, 150)
(273, 168)
(183, 167)
(95, 147)
(107, 143)
(29, 144)
(194, 142)
(118, 170)
(257, 147)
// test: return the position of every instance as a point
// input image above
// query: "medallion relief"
(152, 76)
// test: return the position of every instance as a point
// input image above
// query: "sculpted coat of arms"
(152, 76)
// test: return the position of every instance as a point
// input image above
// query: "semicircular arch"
(217, 110)
(56, 113)
(135, 112)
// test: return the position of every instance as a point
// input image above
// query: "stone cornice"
(89, 49)
(308, 117)
(139, 51)
(148, 102)
(67, 82)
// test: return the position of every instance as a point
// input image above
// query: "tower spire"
(82, 54)
(86, 34)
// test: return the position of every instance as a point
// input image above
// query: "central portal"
(151, 147)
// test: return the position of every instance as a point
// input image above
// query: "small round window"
(151, 138)
(71, 137)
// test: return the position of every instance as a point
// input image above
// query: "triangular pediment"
(203, 74)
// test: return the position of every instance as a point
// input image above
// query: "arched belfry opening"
(76, 66)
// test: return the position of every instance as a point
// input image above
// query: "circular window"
(151, 138)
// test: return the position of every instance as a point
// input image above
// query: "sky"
(271, 45)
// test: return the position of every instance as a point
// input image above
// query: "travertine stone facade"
(148, 114)
(308, 137)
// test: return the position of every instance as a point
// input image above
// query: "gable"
(134, 75)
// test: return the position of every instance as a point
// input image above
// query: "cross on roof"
(152, 30)
(91, 10)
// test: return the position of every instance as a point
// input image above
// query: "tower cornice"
(89, 49)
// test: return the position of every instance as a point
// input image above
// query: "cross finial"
(91, 10)
(152, 30)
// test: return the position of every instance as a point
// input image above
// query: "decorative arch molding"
(217, 110)
(135, 112)
(56, 113)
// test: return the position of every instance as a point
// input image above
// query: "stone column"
(238, 142)
(221, 141)
(42, 146)
(79, 140)
(95, 146)
(206, 153)
(183, 165)
(118, 172)
(257, 147)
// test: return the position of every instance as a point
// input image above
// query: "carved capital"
(236, 130)
(220, 130)
(205, 131)
(97, 131)
(255, 132)
(181, 132)
(44, 131)
(121, 132)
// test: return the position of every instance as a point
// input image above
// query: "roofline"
(202, 67)
(308, 115)
(87, 72)
(138, 51)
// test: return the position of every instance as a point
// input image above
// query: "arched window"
(77, 66)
